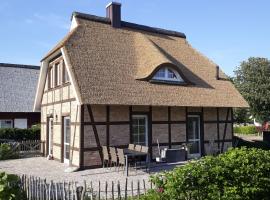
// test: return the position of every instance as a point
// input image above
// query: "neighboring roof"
(113, 64)
(17, 85)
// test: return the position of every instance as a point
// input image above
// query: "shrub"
(20, 134)
(245, 130)
(6, 152)
(241, 174)
(10, 187)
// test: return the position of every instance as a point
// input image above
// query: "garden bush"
(10, 187)
(20, 134)
(6, 152)
(247, 130)
(238, 174)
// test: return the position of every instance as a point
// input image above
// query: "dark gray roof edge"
(20, 66)
(129, 25)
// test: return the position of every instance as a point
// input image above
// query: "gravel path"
(53, 170)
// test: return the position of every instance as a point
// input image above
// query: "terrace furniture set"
(136, 155)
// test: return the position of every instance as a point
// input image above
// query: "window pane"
(5, 124)
(171, 74)
(195, 148)
(67, 147)
(160, 73)
(67, 130)
(138, 130)
(142, 130)
(65, 74)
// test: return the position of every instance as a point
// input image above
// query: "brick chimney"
(113, 11)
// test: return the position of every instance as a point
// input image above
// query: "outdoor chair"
(106, 156)
(138, 147)
(121, 158)
(113, 156)
(131, 147)
(144, 160)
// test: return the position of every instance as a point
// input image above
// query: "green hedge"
(10, 187)
(242, 174)
(245, 130)
(6, 152)
(20, 134)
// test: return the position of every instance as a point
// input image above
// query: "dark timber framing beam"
(130, 125)
(82, 137)
(150, 132)
(169, 127)
(95, 130)
(202, 132)
(108, 126)
(218, 138)
(225, 130)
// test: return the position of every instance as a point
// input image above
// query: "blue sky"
(227, 32)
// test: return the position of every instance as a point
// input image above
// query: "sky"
(226, 31)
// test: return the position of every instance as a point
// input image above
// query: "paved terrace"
(53, 170)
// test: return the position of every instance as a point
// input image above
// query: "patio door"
(193, 136)
(139, 129)
(50, 137)
(66, 139)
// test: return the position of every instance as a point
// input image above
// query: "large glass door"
(66, 139)
(139, 130)
(193, 136)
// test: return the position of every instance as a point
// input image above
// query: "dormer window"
(167, 74)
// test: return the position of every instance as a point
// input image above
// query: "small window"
(50, 78)
(168, 74)
(6, 123)
(57, 74)
(65, 74)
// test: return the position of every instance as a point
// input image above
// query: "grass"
(254, 144)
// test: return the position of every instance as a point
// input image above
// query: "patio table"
(131, 154)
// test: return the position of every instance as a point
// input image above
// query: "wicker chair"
(131, 147)
(113, 156)
(138, 147)
(106, 156)
(145, 159)
(121, 158)
(144, 149)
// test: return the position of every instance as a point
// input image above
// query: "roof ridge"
(20, 66)
(129, 25)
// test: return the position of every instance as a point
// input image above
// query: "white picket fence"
(40, 189)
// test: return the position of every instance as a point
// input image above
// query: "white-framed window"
(50, 78)
(57, 74)
(66, 139)
(65, 73)
(20, 123)
(168, 74)
(139, 130)
(6, 123)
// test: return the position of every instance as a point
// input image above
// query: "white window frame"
(198, 139)
(166, 78)
(65, 73)
(6, 120)
(146, 127)
(58, 71)
(51, 81)
(66, 161)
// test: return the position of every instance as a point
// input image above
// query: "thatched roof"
(17, 85)
(114, 65)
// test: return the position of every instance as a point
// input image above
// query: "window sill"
(168, 82)
(58, 87)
